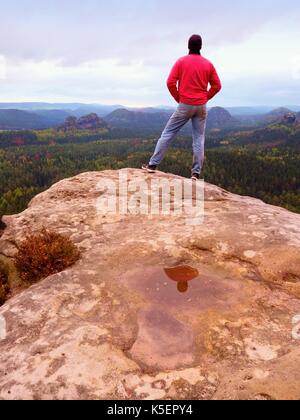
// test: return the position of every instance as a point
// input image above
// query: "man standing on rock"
(188, 84)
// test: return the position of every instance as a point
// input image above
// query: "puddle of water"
(163, 341)
(170, 335)
(185, 286)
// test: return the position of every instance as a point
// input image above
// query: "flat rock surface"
(116, 325)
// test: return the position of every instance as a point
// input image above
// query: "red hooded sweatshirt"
(193, 73)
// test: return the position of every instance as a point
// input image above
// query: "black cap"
(195, 44)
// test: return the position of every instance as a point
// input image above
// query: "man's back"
(194, 73)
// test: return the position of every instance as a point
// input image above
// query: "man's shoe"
(151, 169)
(195, 177)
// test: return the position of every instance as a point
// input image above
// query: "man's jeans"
(198, 115)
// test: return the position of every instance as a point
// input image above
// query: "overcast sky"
(118, 51)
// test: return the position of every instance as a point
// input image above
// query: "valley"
(260, 159)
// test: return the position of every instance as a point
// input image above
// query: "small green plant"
(4, 287)
(43, 254)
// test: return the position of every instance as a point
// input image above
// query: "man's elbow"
(170, 84)
(218, 87)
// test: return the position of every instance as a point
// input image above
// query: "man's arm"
(215, 84)
(172, 81)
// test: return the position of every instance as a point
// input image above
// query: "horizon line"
(136, 106)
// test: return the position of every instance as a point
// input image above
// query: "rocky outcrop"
(116, 325)
(87, 122)
(289, 118)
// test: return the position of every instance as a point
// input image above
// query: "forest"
(32, 161)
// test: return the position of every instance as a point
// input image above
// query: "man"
(193, 73)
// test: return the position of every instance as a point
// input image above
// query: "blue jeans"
(184, 113)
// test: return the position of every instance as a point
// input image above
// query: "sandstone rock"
(91, 122)
(289, 118)
(86, 122)
(114, 326)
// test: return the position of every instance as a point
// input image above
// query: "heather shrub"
(43, 254)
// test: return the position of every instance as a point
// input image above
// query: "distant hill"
(220, 118)
(139, 120)
(284, 132)
(53, 116)
(34, 106)
(156, 120)
(277, 115)
(13, 119)
(243, 111)
(100, 110)
(77, 109)
(248, 110)
(146, 119)
(151, 110)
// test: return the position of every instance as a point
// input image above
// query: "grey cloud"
(77, 31)
(152, 31)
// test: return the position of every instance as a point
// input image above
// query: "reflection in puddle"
(182, 275)
(175, 308)
(181, 287)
